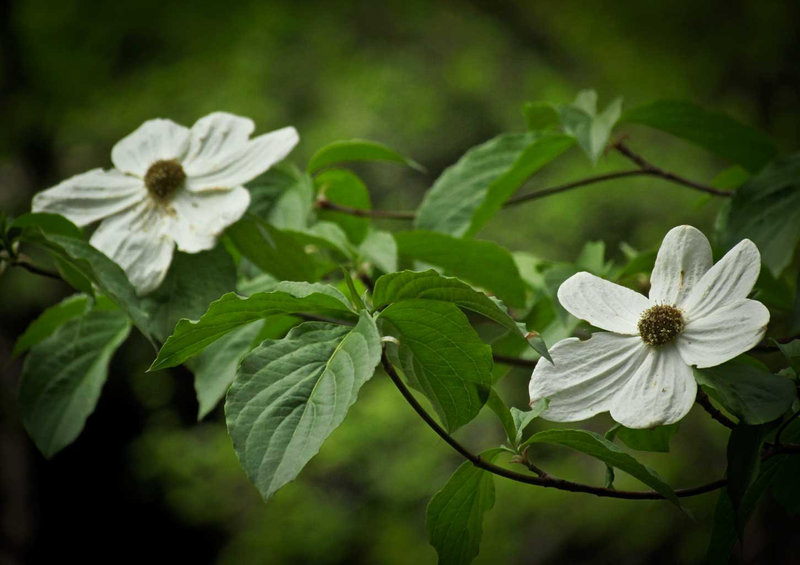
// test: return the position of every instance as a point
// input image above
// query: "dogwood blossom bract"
(640, 369)
(169, 185)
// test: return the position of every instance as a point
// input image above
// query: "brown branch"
(569, 186)
(651, 169)
(515, 361)
(542, 481)
(325, 204)
(703, 400)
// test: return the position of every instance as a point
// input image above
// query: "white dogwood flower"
(169, 185)
(640, 369)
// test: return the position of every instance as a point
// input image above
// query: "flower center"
(660, 324)
(163, 179)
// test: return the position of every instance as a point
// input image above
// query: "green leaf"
(791, 351)
(441, 355)
(379, 249)
(653, 439)
(600, 448)
(97, 268)
(744, 451)
(48, 223)
(482, 263)
(344, 188)
(766, 209)
(290, 394)
(49, 321)
(192, 283)
(272, 250)
(215, 368)
(715, 132)
(283, 197)
(469, 193)
(63, 375)
(357, 150)
(728, 523)
(501, 410)
(232, 311)
(455, 513)
(748, 390)
(592, 130)
(395, 287)
(522, 418)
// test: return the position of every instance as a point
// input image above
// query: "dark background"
(145, 483)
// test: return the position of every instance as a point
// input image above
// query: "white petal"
(200, 217)
(730, 280)
(723, 334)
(603, 304)
(661, 392)
(154, 140)
(136, 240)
(683, 258)
(242, 166)
(90, 196)
(213, 139)
(585, 376)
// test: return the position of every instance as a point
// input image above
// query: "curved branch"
(649, 168)
(542, 481)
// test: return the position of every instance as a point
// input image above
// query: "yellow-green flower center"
(661, 324)
(163, 179)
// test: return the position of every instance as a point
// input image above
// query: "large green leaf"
(95, 267)
(482, 263)
(597, 446)
(747, 388)
(455, 513)
(49, 321)
(215, 368)
(395, 287)
(469, 193)
(232, 311)
(274, 251)
(63, 375)
(345, 188)
(441, 355)
(290, 394)
(715, 132)
(380, 249)
(192, 283)
(653, 439)
(357, 150)
(766, 209)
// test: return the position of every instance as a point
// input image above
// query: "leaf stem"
(542, 481)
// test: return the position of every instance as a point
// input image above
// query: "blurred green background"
(431, 79)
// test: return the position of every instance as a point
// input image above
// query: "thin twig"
(569, 186)
(546, 481)
(515, 361)
(651, 169)
(703, 400)
(324, 204)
